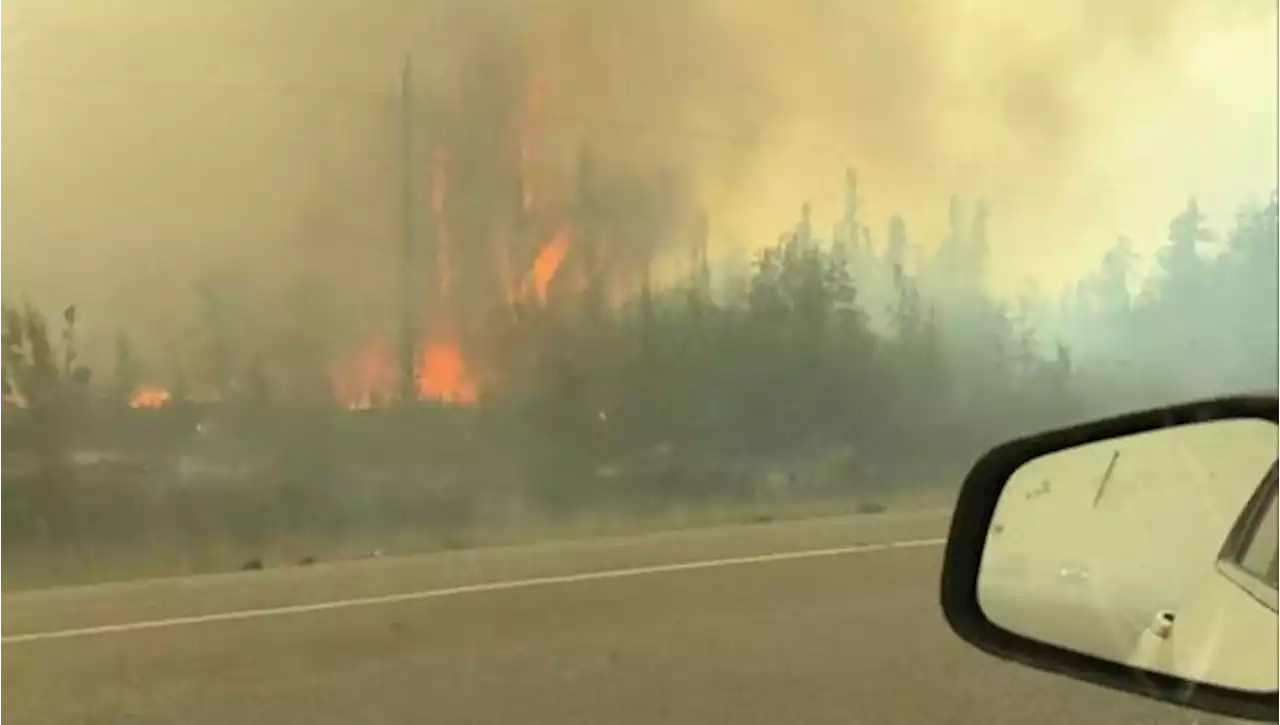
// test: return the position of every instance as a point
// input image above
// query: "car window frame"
(1241, 536)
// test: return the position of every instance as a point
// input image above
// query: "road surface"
(709, 626)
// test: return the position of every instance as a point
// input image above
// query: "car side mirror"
(1136, 553)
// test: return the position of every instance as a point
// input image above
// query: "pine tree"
(1181, 267)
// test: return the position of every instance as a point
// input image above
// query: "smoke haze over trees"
(639, 276)
(834, 370)
(266, 145)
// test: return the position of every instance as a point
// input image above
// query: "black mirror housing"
(969, 535)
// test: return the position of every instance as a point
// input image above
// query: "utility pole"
(408, 256)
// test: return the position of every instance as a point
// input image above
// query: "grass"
(165, 554)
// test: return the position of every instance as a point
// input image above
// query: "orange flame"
(369, 380)
(442, 372)
(547, 263)
(150, 396)
(443, 375)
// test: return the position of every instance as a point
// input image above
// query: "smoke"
(151, 145)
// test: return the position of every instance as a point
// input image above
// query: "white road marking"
(467, 589)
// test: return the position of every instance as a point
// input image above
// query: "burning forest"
(446, 269)
(505, 229)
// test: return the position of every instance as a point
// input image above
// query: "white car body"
(1225, 631)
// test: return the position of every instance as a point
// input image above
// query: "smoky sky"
(148, 144)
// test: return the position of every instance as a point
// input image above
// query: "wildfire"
(367, 380)
(150, 396)
(443, 375)
(442, 371)
(547, 263)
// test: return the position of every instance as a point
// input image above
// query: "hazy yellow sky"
(146, 141)
(1193, 114)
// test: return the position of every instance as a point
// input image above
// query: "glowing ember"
(443, 375)
(149, 396)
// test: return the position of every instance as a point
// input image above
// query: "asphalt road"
(533, 635)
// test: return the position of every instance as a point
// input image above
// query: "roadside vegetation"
(843, 372)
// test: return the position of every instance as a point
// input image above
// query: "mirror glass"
(1157, 550)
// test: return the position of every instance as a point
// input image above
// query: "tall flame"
(547, 263)
(442, 372)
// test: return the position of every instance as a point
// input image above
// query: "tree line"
(852, 340)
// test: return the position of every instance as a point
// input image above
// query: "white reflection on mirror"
(1157, 550)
